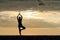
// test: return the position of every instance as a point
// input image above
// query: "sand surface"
(29, 31)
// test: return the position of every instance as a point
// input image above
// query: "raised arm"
(20, 16)
(17, 17)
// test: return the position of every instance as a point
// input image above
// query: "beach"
(29, 31)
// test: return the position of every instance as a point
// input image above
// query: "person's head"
(20, 18)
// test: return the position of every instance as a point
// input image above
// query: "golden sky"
(38, 20)
(36, 23)
(31, 18)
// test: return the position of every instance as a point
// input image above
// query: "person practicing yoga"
(19, 19)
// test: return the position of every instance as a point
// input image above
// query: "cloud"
(14, 5)
(36, 23)
(6, 20)
(29, 23)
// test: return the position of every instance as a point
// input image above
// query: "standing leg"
(19, 31)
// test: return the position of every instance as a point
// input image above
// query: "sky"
(34, 16)
(16, 4)
(38, 16)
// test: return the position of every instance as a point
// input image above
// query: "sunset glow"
(27, 13)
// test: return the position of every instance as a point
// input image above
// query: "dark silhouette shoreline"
(40, 37)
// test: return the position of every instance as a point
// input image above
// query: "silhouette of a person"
(20, 26)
